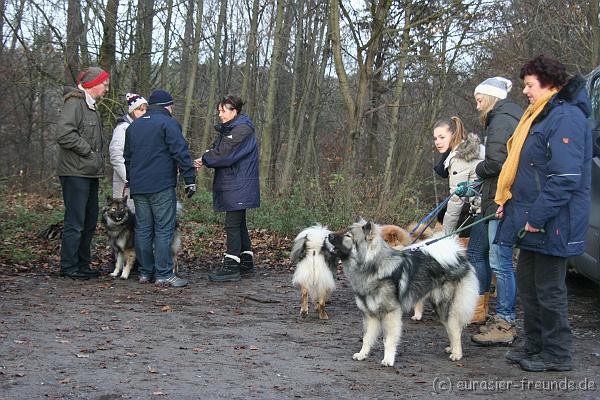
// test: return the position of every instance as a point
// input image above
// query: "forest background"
(344, 94)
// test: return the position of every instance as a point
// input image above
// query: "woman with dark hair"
(543, 195)
(236, 188)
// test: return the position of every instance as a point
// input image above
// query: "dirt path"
(110, 339)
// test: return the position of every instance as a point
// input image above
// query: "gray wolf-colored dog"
(388, 282)
(316, 268)
(119, 221)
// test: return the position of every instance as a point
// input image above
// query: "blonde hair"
(488, 103)
(456, 128)
(141, 107)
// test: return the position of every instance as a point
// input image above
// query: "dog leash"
(460, 191)
(491, 216)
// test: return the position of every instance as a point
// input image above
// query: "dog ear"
(299, 249)
(125, 198)
(108, 199)
(367, 227)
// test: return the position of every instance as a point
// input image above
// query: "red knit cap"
(91, 77)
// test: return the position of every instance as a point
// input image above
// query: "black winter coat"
(501, 123)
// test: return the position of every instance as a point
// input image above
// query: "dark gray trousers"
(81, 214)
(238, 239)
(543, 292)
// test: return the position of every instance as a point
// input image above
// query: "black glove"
(190, 190)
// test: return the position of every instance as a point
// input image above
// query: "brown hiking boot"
(481, 309)
(500, 332)
(489, 323)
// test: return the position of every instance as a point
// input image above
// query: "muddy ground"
(112, 339)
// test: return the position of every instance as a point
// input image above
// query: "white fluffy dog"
(316, 268)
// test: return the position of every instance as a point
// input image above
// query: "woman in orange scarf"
(544, 198)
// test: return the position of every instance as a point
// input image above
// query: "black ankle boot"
(246, 263)
(229, 272)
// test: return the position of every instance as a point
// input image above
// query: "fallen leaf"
(166, 309)
(159, 394)
(131, 354)
(84, 311)
(65, 381)
(79, 355)
(254, 347)
(152, 370)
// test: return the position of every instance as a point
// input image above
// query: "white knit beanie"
(134, 101)
(496, 86)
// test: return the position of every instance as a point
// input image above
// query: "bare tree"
(248, 93)
(74, 34)
(166, 45)
(143, 47)
(191, 84)
(109, 46)
(355, 100)
(214, 77)
(267, 131)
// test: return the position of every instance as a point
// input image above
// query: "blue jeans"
(155, 223)
(501, 264)
(478, 254)
(81, 214)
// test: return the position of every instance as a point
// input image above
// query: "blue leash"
(438, 208)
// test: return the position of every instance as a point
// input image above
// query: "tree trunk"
(74, 33)
(311, 159)
(191, 84)
(108, 47)
(17, 25)
(355, 104)
(214, 78)
(2, 16)
(595, 28)
(164, 68)
(187, 44)
(395, 112)
(276, 56)
(296, 76)
(250, 65)
(143, 47)
(83, 45)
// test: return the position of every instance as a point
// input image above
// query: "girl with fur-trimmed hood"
(462, 152)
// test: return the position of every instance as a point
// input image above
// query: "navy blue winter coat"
(234, 156)
(552, 186)
(154, 149)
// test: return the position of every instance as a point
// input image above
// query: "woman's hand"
(198, 163)
(500, 212)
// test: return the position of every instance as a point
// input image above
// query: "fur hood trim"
(72, 92)
(469, 149)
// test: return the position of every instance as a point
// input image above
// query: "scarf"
(515, 145)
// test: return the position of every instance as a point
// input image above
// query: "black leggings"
(238, 239)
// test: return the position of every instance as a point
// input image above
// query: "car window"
(595, 95)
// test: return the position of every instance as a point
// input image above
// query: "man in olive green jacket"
(80, 165)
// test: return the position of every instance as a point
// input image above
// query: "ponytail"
(456, 128)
